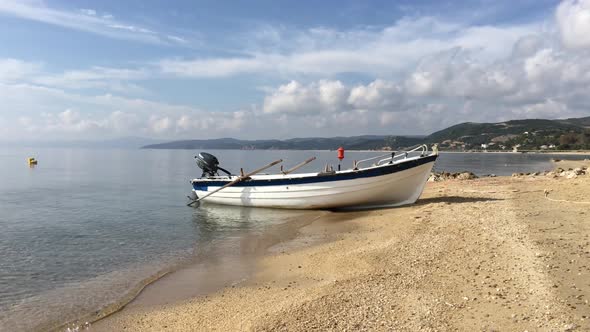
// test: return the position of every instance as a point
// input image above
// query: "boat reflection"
(213, 217)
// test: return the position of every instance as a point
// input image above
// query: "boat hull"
(388, 185)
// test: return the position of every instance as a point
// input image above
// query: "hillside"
(530, 134)
(479, 133)
(585, 122)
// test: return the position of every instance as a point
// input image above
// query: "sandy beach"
(485, 254)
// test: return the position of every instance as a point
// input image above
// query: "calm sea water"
(85, 227)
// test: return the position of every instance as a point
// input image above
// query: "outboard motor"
(209, 164)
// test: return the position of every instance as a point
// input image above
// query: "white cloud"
(70, 115)
(160, 125)
(416, 76)
(323, 96)
(82, 20)
(90, 12)
(450, 87)
(14, 69)
(544, 109)
(123, 122)
(324, 52)
(573, 19)
(102, 78)
(421, 83)
(388, 118)
(69, 122)
(177, 39)
(527, 46)
(95, 77)
(332, 96)
(455, 74)
(493, 42)
(542, 65)
(378, 94)
(212, 67)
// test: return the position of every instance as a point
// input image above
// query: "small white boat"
(392, 180)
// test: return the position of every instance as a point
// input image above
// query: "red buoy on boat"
(340, 153)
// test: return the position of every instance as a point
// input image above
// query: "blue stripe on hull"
(202, 185)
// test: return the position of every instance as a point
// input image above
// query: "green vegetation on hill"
(531, 134)
(585, 122)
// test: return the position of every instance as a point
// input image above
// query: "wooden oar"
(236, 181)
(298, 166)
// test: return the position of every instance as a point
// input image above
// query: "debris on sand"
(445, 176)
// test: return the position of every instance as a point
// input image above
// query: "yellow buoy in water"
(32, 161)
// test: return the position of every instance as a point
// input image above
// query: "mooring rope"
(546, 192)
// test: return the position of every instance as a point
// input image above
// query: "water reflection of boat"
(217, 216)
(392, 180)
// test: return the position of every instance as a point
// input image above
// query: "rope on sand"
(546, 192)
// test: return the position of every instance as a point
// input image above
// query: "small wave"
(75, 304)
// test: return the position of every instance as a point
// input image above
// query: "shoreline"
(156, 286)
(280, 239)
(468, 253)
(564, 152)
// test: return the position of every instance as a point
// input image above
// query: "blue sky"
(278, 69)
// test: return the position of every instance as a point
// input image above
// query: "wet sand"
(484, 254)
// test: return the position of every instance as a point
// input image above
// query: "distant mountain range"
(531, 134)
(372, 142)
